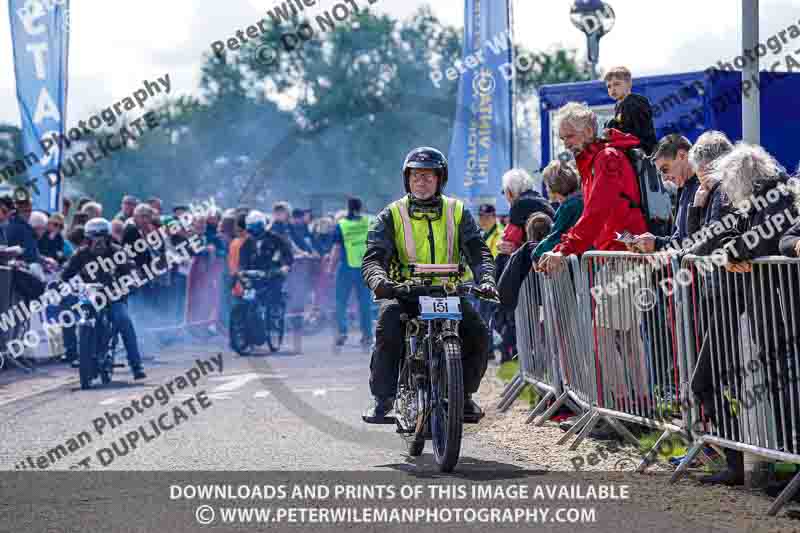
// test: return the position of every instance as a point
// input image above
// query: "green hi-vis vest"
(354, 233)
(412, 237)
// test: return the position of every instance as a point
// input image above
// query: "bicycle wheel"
(238, 330)
(447, 416)
(276, 325)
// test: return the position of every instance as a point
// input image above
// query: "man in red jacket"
(609, 185)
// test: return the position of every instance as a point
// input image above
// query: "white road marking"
(323, 391)
(35, 392)
(237, 381)
(261, 394)
(109, 401)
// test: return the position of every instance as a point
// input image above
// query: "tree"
(333, 117)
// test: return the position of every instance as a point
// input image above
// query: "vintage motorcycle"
(260, 316)
(97, 338)
(429, 404)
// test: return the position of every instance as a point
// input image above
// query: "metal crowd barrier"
(8, 299)
(637, 342)
(628, 330)
(744, 352)
(202, 304)
(537, 354)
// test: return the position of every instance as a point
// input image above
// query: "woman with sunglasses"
(51, 242)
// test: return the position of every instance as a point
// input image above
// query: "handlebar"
(411, 291)
(259, 274)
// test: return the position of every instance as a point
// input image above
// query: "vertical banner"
(481, 149)
(39, 32)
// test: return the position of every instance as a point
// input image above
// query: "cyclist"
(423, 227)
(97, 245)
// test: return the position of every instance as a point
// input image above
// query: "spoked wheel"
(276, 325)
(447, 399)
(238, 330)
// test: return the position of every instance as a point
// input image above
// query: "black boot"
(138, 373)
(472, 411)
(732, 475)
(377, 411)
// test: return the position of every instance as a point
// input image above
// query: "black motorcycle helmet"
(426, 157)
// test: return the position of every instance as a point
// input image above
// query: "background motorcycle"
(260, 315)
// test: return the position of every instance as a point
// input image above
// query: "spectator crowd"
(35, 247)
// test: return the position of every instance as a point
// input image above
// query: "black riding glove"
(385, 290)
(489, 288)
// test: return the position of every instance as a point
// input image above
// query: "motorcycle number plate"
(433, 308)
(250, 294)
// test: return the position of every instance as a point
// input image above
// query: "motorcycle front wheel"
(275, 326)
(87, 357)
(447, 416)
(238, 330)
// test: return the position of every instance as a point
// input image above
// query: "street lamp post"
(594, 18)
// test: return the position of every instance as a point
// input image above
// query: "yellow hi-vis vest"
(493, 239)
(412, 236)
(354, 234)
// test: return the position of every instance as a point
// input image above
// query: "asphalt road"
(289, 415)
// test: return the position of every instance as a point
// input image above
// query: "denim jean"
(122, 322)
(348, 279)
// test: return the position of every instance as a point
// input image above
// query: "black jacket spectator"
(789, 241)
(516, 270)
(52, 247)
(711, 225)
(685, 199)
(20, 233)
(130, 235)
(635, 116)
(756, 236)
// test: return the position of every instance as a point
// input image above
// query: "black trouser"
(388, 350)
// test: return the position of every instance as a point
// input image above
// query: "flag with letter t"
(39, 32)
(481, 148)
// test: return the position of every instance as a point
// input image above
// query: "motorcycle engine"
(407, 407)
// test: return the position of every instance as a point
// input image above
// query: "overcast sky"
(116, 44)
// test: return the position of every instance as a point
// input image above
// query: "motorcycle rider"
(265, 250)
(429, 228)
(98, 244)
